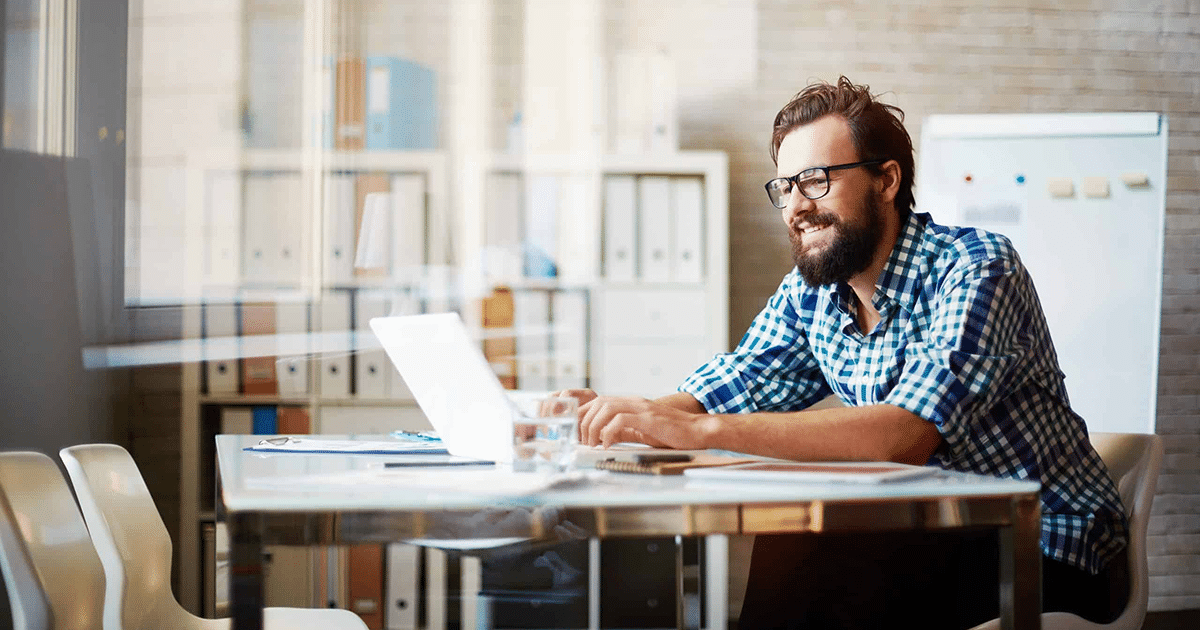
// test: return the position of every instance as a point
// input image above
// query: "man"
(935, 340)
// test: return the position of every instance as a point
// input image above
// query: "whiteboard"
(1096, 261)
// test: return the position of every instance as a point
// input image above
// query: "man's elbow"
(914, 441)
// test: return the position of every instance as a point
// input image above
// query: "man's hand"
(606, 420)
(584, 396)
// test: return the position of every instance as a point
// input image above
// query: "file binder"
(570, 339)
(293, 421)
(339, 222)
(237, 421)
(687, 204)
(220, 321)
(408, 228)
(365, 589)
(499, 342)
(258, 373)
(372, 370)
(402, 584)
(620, 225)
(401, 105)
(372, 225)
(265, 420)
(224, 221)
(655, 233)
(541, 230)
(532, 316)
(502, 227)
(579, 229)
(292, 348)
(335, 362)
(349, 108)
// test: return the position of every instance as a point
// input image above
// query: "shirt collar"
(900, 279)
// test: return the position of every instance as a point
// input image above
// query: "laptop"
(460, 394)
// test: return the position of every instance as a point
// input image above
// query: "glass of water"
(545, 434)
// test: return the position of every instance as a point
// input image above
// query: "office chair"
(54, 578)
(1133, 461)
(135, 550)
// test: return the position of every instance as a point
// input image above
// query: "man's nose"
(797, 205)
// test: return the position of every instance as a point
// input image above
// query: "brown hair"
(877, 129)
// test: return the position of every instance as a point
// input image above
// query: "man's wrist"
(709, 429)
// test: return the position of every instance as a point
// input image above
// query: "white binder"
(663, 112)
(402, 303)
(408, 227)
(620, 225)
(655, 230)
(578, 230)
(570, 339)
(502, 227)
(335, 353)
(531, 317)
(541, 229)
(292, 347)
(687, 201)
(273, 229)
(338, 248)
(629, 98)
(221, 320)
(372, 369)
(224, 219)
(401, 584)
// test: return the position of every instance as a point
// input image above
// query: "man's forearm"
(871, 433)
(683, 402)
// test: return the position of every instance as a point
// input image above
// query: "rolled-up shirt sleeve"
(975, 351)
(772, 368)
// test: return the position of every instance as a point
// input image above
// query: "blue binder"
(264, 420)
(401, 104)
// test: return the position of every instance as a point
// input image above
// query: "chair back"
(1133, 461)
(129, 535)
(54, 577)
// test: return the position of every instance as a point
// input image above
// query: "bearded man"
(935, 340)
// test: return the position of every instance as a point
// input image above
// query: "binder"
(532, 316)
(408, 227)
(402, 303)
(293, 421)
(401, 585)
(365, 588)
(292, 348)
(401, 105)
(687, 204)
(499, 344)
(670, 467)
(655, 229)
(620, 225)
(629, 99)
(541, 233)
(502, 227)
(220, 321)
(273, 229)
(663, 115)
(570, 339)
(339, 223)
(349, 108)
(335, 358)
(372, 368)
(372, 224)
(265, 420)
(258, 373)
(578, 242)
(328, 99)
(224, 220)
(237, 421)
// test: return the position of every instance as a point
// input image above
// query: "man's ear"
(889, 180)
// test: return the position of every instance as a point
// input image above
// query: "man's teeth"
(811, 229)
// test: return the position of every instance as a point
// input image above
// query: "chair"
(1133, 460)
(53, 576)
(135, 550)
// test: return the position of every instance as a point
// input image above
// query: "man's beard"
(850, 251)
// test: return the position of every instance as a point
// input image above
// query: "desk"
(265, 500)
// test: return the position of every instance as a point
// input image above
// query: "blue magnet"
(1020, 179)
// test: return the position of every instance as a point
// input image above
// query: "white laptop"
(458, 391)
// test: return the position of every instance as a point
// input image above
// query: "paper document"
(807, 472)
(347, 447)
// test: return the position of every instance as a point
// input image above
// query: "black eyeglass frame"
(794, 180)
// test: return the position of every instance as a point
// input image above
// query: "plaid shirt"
(962, 342)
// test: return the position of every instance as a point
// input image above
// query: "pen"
(467, 462)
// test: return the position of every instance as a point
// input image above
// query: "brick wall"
(944, 56)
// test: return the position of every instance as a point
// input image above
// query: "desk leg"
(680, 609)
(715, 569)
(1021, 567)
(593, 584)
(245, 572)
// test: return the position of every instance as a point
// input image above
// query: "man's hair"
(877, 129)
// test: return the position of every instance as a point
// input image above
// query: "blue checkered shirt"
(962, 342)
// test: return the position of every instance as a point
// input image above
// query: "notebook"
(458, 391)
(814, 472)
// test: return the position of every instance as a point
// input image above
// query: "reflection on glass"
(21, 44)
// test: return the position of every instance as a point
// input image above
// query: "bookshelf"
(636, 330)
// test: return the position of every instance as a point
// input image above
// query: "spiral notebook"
(702, 460)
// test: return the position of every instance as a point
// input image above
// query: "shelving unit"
(638, 334)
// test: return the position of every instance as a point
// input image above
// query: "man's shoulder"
(953, 246)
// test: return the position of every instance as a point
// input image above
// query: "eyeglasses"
(813, 182)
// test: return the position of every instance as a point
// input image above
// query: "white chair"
(1133, 461)
(54, 578)
(135, 549)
